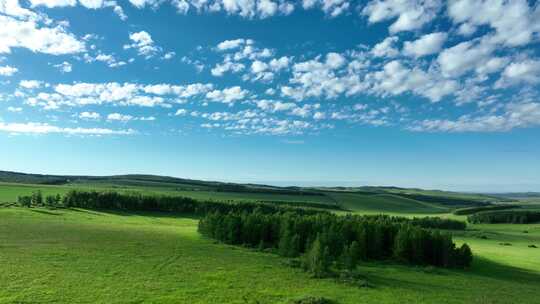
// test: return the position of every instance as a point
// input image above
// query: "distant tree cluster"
(473, 210)
(497, 217)
(438, 223)
(178, 204)
(325, 239)
(36, 199)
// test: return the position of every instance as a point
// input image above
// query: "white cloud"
(228, 66)
(143, 43)
(425, 45)
(89, 115)
(31, 84)
(410, 14)
(53, 3)
(27, 34)
(12, 8)
(14, 109)
(7, 70)
(90, 4)
(180, 112)
(274, 106)
(227, 95)
(44, 128)
(314, 78)
(109, 60)
(143, 3)
(119, 117)
(386, 48)
(527, 71)
(396, 79)
(169, 55)
(465, 56)
(233, 44)
(334, 60)
(64, 67)
(515, 115)
(332, 8)
(515, 22)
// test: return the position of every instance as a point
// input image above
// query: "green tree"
(464, 256)
(317, 259)
(24, 201)
(37, 198)
(50, 200)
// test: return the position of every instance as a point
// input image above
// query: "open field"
(83, 256)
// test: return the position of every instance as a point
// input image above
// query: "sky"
(411, 93)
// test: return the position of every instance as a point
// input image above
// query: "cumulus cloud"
(31, 84)
(64, 67)
(228, 66)
(89, 115)
(409, 14)
(515, 115)
(515, 22)
(143, 43)
(465, 56)
(245, 8)
(180, 112)
(227, 95)
(332, 8)
(396, 79)
(526, 71)
(7, 70)
(119, 117)
(90, 4)
(318, 77)
(386, 48)
(425, 45)
(266, 71)
(15, 33)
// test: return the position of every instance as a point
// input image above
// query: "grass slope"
(384, 203)
(80, 256)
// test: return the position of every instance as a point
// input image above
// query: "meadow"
(87, 256)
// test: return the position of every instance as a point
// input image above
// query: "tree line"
(512, 217)
(473, 210)
(140, 202)
(180, 204)
(37, 199)
(325, 239)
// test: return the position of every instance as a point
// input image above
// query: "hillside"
(370, 199)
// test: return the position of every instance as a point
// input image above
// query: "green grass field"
(386, 203)
(82, 256)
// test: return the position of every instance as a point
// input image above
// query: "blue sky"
(434, 94)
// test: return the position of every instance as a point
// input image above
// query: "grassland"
(82, 256)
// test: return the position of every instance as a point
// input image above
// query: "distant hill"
(369, 197)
